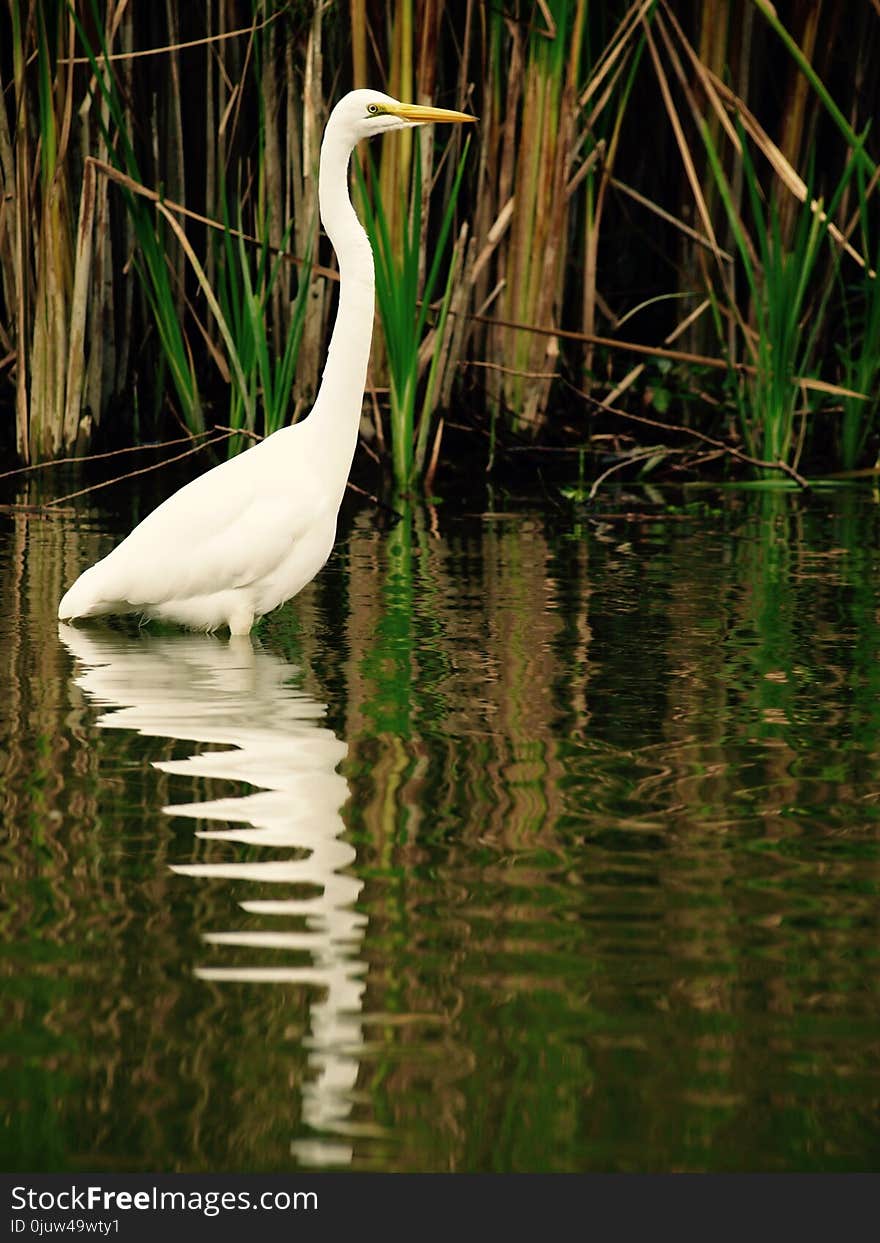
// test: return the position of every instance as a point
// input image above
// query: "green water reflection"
(517, 843)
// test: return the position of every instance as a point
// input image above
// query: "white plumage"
(249, 534)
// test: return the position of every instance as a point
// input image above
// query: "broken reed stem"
(712, 441)
(659, 351)
(97, 457)
(137, 187)
(143, 470)
(169, 47)
(226, 434)
(623, 463)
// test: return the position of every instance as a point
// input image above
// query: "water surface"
(521, 840)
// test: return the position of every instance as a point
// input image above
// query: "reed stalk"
(859, 348)
(537, 158)
(152, 259)
(307, 115)
(20, 295)
(787, 306)
(46, 266)
(262, 363)
(598, 146)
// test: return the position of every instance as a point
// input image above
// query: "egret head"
(366, 113)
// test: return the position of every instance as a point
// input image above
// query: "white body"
(227, 548)
(249, 534)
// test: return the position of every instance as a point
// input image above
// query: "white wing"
(228, 528)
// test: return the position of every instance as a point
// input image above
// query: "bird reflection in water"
(234, 694)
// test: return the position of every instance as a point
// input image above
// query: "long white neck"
(337, 407)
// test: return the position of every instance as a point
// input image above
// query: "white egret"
(244, 537)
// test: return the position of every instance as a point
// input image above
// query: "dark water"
(520, 841)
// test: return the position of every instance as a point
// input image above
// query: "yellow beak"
(423, 115)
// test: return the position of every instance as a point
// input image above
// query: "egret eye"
(373, 108)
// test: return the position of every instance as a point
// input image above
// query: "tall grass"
(249, 280)
(786, 311)
(538, 142)
(404, 296)
(772, 313)
(859, 347)
(632, 159)
(154, 257)
(42, 265)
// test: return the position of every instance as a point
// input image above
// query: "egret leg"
(241, 620)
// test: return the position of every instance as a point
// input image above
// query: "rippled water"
(522, 840)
